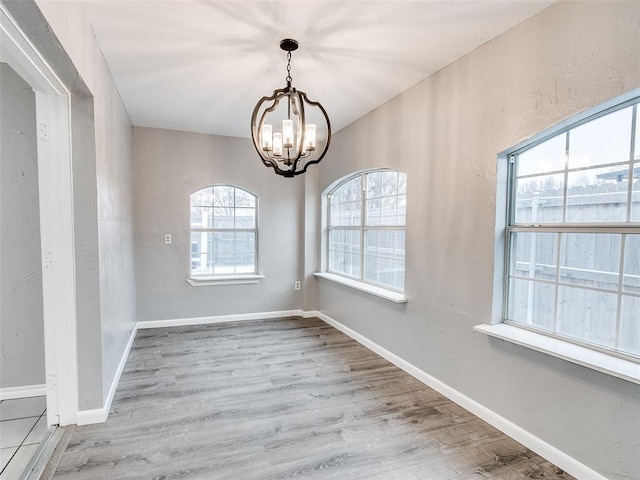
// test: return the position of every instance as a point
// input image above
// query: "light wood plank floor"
(283, 398)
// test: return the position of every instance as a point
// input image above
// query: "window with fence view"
(366, 228)
(574, 233)
(223, 231)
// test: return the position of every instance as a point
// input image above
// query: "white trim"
(381, 292)
(9, 393)
(99, 415)
(556, 347)
(542, 448)
(224, 280)
(179, 322)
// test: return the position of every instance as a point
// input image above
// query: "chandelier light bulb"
(310, 138)
(277, 144)
(287, 133)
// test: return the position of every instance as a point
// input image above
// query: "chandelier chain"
(288, 79)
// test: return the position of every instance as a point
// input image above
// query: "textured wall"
(109, 123)
(168, 167)
(21, 320)
(446, 133)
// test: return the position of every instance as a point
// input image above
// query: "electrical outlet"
(296, 285)
(167, 239)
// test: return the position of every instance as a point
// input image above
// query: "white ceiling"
(201, 66)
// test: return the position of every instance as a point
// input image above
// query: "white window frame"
(598, 358)
(357, 283)
(210, 279)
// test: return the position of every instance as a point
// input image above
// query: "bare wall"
(21, 317)
(110, 127)
(168, 167)
(446, 133)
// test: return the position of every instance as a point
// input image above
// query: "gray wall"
(113, 193)
(446, 133)
(168, 167)
(21, 319)
(103, 200)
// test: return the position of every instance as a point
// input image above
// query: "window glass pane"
(374, 185)
(245, 242)
(533, 255)
(224, 264)
(389, 211)
(402, 183)
(245, 218)
(399, 251)
(532, 303)
(350, 191)
(635, 195)
(244, 199)
(630, 325)
(201, 253)
(196, 217)
(385, 271)
(631, 279)
(539, 199)
(223, 242)
(398, 275)
(344, 251)
(601, 141)
(547, 157)
(202, 197)
(389, 183)
(587, 315)
(245, 263)
(384, 257)
(222, 218)
(591, 260)
(371, 242)
(223, 196)
(402, 210)
(595, 195)
(371, 268)
(374, 207)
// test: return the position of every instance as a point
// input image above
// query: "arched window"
(224, 234)
(366, 221)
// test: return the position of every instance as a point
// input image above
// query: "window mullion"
(363, 220)
(623, 243)
(631, 159)
(565, 190)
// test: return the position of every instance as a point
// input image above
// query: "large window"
(573, 233)
(366, 228)
(223, 232)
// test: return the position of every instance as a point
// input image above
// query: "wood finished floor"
(285, 398)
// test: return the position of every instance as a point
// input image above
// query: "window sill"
(226, 280)
(600, 361)
(364, 287)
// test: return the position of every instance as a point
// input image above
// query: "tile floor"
(23, 424)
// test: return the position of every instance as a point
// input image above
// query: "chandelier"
(294, 143)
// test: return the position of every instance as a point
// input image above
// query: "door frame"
(55, 187)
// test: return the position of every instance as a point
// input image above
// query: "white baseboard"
(179, 322)
(9, 393)
(542, 448)
(99, 415)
